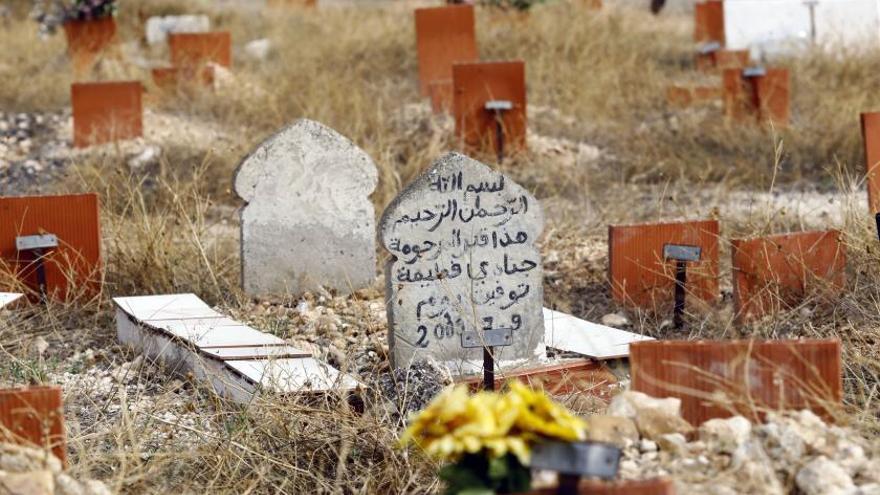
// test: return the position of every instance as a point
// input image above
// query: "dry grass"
(597, 78)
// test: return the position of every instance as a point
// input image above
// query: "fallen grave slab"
(7, 298)
(489, 105)
(71, 268)
(184, 333)
(444, 35)
(750, 378)
(760, 94)
(567, 333)
(774, 272)
(871, 141)
(34, 416)
(640, 275)
(580, 377)
(105, 112)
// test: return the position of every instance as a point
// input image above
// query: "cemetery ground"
(604, 148)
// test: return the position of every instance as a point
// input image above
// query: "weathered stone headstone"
(462, 239)
(308, 221)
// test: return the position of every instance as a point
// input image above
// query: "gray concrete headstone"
(462, 239)
(308, 221)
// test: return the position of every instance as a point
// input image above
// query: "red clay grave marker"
(871, 140)
(489, 102)
(75, 260)
(87, 39)
(774, 272)
(721, 379)
(34, 416)
(193, 50)
(712, 57)
(757, 93)
(640, 274)
(106, 112)
(444, 36)
(685, 96)
(709, 22)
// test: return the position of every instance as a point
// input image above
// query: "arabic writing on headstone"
(462, 239)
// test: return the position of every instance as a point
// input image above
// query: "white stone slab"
(158, 28)
(166, 307)
(462, 239)
(7, 298)
(771, 27)
(215, 349)
(308, 221)
(571, 334)
(293, 375)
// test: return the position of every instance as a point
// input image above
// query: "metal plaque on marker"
(584, 459)
(493, 105)
(681, 252)
(30, 242)
(487, 338)
(755, 72)
(709, 47)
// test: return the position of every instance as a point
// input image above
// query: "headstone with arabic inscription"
(464, 260)
(308, 221)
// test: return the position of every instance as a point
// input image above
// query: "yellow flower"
(457, 423)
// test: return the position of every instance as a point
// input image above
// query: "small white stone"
(258, 49)
(725, 435)
(822, 476)
(615, 320)
(646, 445)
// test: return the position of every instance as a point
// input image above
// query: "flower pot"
(87, 39)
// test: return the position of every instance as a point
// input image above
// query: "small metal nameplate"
(754, 72)
(679, 252)
(31, 242)
(709, 47)
(497, 105)
(584, 459)
(487, 338)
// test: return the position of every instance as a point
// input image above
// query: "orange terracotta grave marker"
(757, 93)
(106, 112)
(34, 416)
(74, 263)
(871, 140)
(747, 377)
(476, 87)
(774, 272)
(656, 486)
(444, 36)
(640, 274)
(194, 50)
(87, 39)
(709, 21)
(580, 377)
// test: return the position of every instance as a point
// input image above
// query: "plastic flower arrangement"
(487, 438)
(53, 13)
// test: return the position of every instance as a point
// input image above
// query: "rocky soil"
(26, 471)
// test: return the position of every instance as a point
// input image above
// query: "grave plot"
(106, 112)
(34, 416)
(871, 142)
(758, 93)
(308, 221)
(644, 263)
(237, 361)
(709, 22)
(489, 102)
(52, 244)
(444, 36)
(784, 27)
(750, 378)
(7, 298)
(464, 271)
(776, 272)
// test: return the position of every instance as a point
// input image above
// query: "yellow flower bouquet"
(487, 437)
